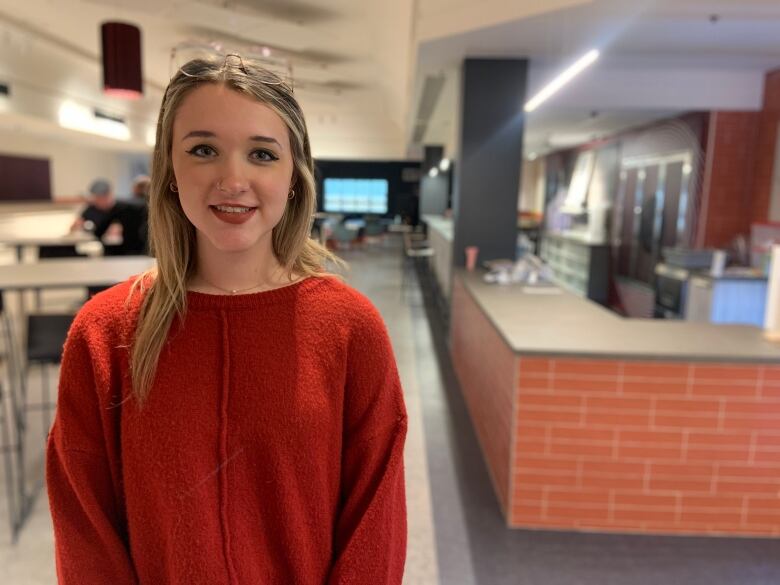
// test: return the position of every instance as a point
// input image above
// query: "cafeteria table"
(46, 274)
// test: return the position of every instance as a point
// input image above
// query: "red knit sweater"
(270, 450)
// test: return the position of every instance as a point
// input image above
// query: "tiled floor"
(456, 533)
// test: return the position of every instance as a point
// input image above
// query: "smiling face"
(233, 166)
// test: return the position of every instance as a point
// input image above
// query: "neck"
(250, 270)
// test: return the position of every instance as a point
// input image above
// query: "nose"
(232, 179)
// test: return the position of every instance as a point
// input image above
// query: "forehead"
(227, 112)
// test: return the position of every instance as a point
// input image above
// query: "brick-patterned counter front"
(685, 447)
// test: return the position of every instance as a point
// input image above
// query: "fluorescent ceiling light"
(564, 78)
(444, 165)
(433, 172)
(77, 117)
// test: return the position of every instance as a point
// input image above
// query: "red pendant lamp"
(122, 76)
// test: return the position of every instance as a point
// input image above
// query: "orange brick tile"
(643, 515)
(541, 464)
(724, 518)
(529, 479)
(582, 434)
(548, 415)
(547, 400)
(618, 403)
(654, 388)
(617, 419)
(763, 518)
(698, 453)
(771, 375)
(535, 365)
(677, 371)
(725, 373)
(770, 392)
(613, 468)
(712, 501)
(650, 451)
(724, 390)
(642, 500)
(679, 484)
(740, 422)
(587, 367)
(577, 498)
(626, 436)
(742, 471)
(534, 383)
(754, 408)
(727, 441)
(681, 470)
(710, 422)
(612, 482)
(528, 507)
(528, 494)
(531, 431)
(576, 513)
(759, 504)
(605, 385)
(688, 406)
(767, 440)
(766, 457)
(580, 449)
(748, 486)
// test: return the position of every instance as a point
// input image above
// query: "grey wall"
(491, 151)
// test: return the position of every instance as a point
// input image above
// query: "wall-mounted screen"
(355, 195)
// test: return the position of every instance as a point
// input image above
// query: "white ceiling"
(350, 59)
(659, 56)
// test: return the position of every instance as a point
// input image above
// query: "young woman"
(234, 416)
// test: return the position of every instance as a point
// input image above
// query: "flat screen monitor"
(355, 196)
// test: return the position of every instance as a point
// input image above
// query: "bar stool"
(416, 247)
(46, 336)
(11, 446)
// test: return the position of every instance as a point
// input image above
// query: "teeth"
(230, 209)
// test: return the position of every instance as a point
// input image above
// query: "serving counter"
(589, 421)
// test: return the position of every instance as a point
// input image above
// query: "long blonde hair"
(172, 236)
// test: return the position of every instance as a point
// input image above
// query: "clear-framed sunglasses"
(272, 71)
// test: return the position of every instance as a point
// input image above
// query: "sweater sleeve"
(370, 537)
(89, 530)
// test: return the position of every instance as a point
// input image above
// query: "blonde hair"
(172, 236)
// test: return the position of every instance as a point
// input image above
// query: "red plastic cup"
(471, 257)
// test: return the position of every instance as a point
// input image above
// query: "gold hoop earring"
(173, 187)
(291, 195)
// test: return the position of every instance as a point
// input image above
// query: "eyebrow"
(210, 134)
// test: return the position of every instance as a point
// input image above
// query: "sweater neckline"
(289, 292)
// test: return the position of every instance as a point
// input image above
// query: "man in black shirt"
(126, 218)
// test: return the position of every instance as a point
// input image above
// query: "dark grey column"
(491, 151)
(433, 190)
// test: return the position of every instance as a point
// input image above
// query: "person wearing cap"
(141, 186)
(131, 215)
(100, 202)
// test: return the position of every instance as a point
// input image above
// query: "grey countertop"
(441, 224)
(533, 322)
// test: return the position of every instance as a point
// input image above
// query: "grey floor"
(456, 533)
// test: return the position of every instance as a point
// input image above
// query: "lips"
(232, 213)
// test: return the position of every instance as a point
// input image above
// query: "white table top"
(72, 272)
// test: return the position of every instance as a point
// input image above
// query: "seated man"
(100, 202)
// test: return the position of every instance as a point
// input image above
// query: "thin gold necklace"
(232, 291)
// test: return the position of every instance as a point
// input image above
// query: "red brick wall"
(647, 447)
(766, 143)
(485, 367)
(731, 163)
